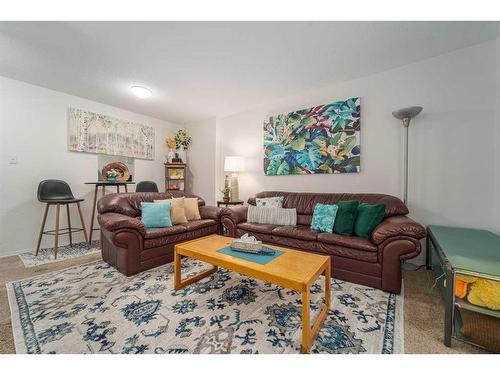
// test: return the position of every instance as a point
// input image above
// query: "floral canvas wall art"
(101, 134)
(321, 139)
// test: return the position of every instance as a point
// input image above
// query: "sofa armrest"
(112, 222)
(231, 217)
(210, 212)
(236, 214)
(397, 226)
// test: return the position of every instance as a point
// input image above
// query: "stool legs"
(42, 228)
(56, 238)
(56, 231)
(81, 220)
(69, 225)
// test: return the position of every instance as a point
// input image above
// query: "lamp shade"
(408, 112)
(234, 164)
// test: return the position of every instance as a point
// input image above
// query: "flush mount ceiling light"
(141, 92)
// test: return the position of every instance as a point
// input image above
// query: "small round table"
(230, 203)
(104, 184)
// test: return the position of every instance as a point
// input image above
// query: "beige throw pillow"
(177, 211)
(191, 208)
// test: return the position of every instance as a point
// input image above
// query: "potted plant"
(182, 141)
(113, 174)
(226, 190)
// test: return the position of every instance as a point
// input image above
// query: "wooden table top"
(293, 269)
(111, 183)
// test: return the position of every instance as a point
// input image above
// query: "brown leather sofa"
(374, 262)
(130, 247)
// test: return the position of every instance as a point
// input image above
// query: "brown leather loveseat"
(375, 262)
(130, 247)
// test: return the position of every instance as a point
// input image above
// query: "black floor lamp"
(406, 114)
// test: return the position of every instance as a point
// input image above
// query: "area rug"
(92, 308)
(64, 252)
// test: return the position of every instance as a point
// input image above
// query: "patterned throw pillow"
(324, 217)
(269, 202)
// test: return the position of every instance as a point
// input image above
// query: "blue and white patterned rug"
(64, 252)
(93, 308)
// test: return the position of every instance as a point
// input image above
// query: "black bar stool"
(146, 187)
(57, 192)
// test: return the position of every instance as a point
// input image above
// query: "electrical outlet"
(12, 159)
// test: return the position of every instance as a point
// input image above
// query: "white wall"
(451, 142)
(201, 160)
(33, 127)
(497, 141)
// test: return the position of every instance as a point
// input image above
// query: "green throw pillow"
(368, 217)
(324, 217)
(346, 216)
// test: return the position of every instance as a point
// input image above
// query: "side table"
(103, 185)
(461, 251)
(230, 203)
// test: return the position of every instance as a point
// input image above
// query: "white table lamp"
(234, 164)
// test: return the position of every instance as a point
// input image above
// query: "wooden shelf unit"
(175, 177)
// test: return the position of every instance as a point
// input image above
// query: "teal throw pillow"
(156, 215)
(367, 219)
(346, 216)
(324, 217)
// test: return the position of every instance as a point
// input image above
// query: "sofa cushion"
(198, 224)
(269, 202)
(161, 242)
(345, 241)
(324, 217)
(192, 209)
(346, 217)
(347, 252)
(156, 215)
(367, 219)
(300, 232)
(161, 232)
(295, 243)
(272, 215)
(259, 228)
(177, 211)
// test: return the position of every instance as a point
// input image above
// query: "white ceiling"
(202, 69)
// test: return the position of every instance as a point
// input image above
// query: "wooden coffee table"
(293, 269)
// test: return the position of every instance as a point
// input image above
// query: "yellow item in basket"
(479, 291)
(484, 292)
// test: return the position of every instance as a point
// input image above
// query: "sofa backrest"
(130, 203)
(305, 202)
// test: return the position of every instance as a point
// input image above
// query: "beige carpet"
(423, 307)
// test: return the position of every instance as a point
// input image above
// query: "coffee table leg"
(308, 333)
(178, 282)
(306, 322)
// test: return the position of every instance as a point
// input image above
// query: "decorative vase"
(226, 198)
(170, 155)
(111, 178)
(182, 154)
